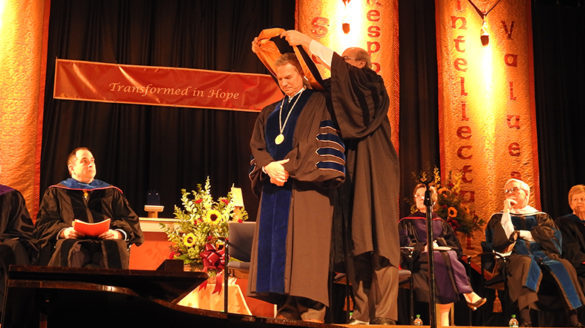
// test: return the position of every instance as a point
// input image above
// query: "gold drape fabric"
(22, 62)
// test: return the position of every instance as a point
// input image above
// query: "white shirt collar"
(526, 210)
(291, 97)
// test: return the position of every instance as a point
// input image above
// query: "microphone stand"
(429, 215)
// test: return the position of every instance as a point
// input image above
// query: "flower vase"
(468, 241)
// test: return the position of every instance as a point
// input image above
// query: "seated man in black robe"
(84, 198)
(532, 243)
(16, 243)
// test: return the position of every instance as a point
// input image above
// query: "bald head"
(357, 57)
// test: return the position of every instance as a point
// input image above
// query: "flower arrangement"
(198, 238)
(450, 204)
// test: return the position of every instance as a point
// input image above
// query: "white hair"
(523, 185)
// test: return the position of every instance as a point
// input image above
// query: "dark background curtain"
(559, 73)
(140, 148)
(419, 130)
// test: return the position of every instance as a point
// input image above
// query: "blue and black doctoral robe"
(94, 202)
(527, 259)
(290, 254)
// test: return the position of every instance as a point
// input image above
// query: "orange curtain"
(371, 25)
(23, 31)
(486, 98)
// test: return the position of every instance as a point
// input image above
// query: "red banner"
(163, 86)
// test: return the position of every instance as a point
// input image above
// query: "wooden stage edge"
(238, 320)
(59, 297)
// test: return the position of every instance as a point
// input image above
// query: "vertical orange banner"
(371, 25)
(22, 61)
(486, 98)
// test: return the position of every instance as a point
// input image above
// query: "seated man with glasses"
(572, 227)
(533, 243)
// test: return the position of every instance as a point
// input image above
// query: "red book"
(91, 229)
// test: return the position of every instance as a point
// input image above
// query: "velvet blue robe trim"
(331, 166)
(276, 201)
(556, 268)
(331, 152)
(329, 124)
(74, 184)
(331, 137)
(563, 279)
(274, 213)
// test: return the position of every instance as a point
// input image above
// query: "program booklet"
(91, 229)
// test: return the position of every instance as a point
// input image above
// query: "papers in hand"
(91, 229)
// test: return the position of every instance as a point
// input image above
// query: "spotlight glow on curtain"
(21, 84)
(371, 25)
(486, 98)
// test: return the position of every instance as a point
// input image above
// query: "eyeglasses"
(346, 58)
(511, 190)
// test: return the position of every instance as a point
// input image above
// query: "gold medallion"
(279, 139)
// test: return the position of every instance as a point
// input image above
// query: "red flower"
(225, 201)
(198, 201)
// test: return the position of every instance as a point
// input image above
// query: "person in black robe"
(297, 160)
(450, 274)
(532, 243)
(16, 245)
(84, 198)
(367, 204)
(572, 227)
(16, 227)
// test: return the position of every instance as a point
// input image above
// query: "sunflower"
(189, 239)
(452, 212)
(213, 216)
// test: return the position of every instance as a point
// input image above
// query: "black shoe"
(383, 321)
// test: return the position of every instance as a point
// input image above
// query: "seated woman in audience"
(451, 277)
(572, 227)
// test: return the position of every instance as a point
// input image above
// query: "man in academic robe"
(532, 243)
(297, 160)
(16, 244)
(368, 201)
(16, 227)
(82, 197)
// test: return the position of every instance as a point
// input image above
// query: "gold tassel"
(497, 304)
